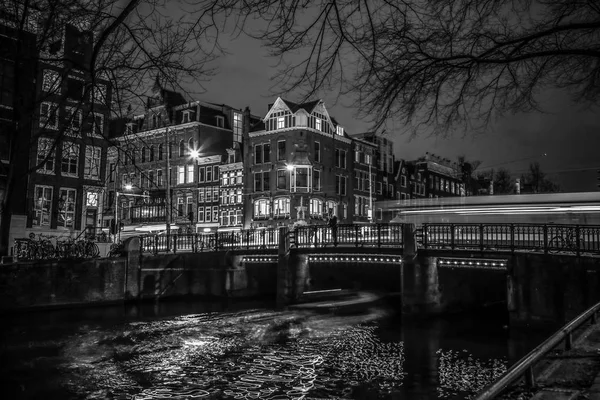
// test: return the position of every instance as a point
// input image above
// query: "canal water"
(216, 350)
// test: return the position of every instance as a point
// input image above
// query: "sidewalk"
(573, 374)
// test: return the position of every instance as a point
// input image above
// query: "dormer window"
(280, 122)
(318, 124)
(220, 121)
(339, 130)
(186, 117)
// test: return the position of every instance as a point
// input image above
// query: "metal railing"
(524, 367)
(376, 235)
(547, 238)
(201, 242)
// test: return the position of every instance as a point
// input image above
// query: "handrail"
(525, 365)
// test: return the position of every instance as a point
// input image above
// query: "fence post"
(481, 237)
(452, 236)
(545, 231)
(425, 228)
(174, 244)
(155, 244)
(529, 378)
(577, 240)
(512, 238)
(356, 230)
(379, 235)
(569, 341)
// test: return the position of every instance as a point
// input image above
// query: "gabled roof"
(170, 98)
(308, 107)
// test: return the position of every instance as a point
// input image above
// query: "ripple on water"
(246, 355)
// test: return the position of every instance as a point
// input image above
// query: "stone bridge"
(544, 273)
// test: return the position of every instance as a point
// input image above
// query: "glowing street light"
(128, 187)
(194, 153)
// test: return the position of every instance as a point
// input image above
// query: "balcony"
(147, 213)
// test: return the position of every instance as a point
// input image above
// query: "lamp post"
(168, 187)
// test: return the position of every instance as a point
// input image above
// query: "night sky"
(565, 140)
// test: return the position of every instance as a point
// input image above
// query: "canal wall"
(549, 289)
(62, 284)
(69, 283)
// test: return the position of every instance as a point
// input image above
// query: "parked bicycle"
(39, 248)
(83, 248)
(566, 242)
(116, 250)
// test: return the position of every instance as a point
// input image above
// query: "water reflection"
(252, 354)
(246, 355)
(462, 373)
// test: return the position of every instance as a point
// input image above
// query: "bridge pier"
(420, 286)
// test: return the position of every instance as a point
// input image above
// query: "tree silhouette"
(131, 42)
(503, 182)
(434, 62)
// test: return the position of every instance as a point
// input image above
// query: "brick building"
(66, 146)
(191, 140)
(299, 164)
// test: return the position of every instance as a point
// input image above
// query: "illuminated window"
(262, 208)
(45, 156)
(237, 127)
(315, 207)
(190, 173)
(70, 159)
(51, 81)
(98, 129)
(66, 207)
(49, 115)
(92, 162)
(281, 206)
(181, 174)
(74, 118)
(42, 205)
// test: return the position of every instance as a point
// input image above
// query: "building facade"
(60, 191)
(298, 164)
(171, 163)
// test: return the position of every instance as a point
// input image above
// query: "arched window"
(151, 153)
(262, 208)
(170, 151)
(191, 145)
(132, 157)
(181, 148)
(143, 154)
(160, 152)
(281, 206)
(154, 121)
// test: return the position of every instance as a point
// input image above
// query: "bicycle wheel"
(556, 244)
(92, 250)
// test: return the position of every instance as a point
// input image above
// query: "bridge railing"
(375, 235)
(201, 242)
(547, 238)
